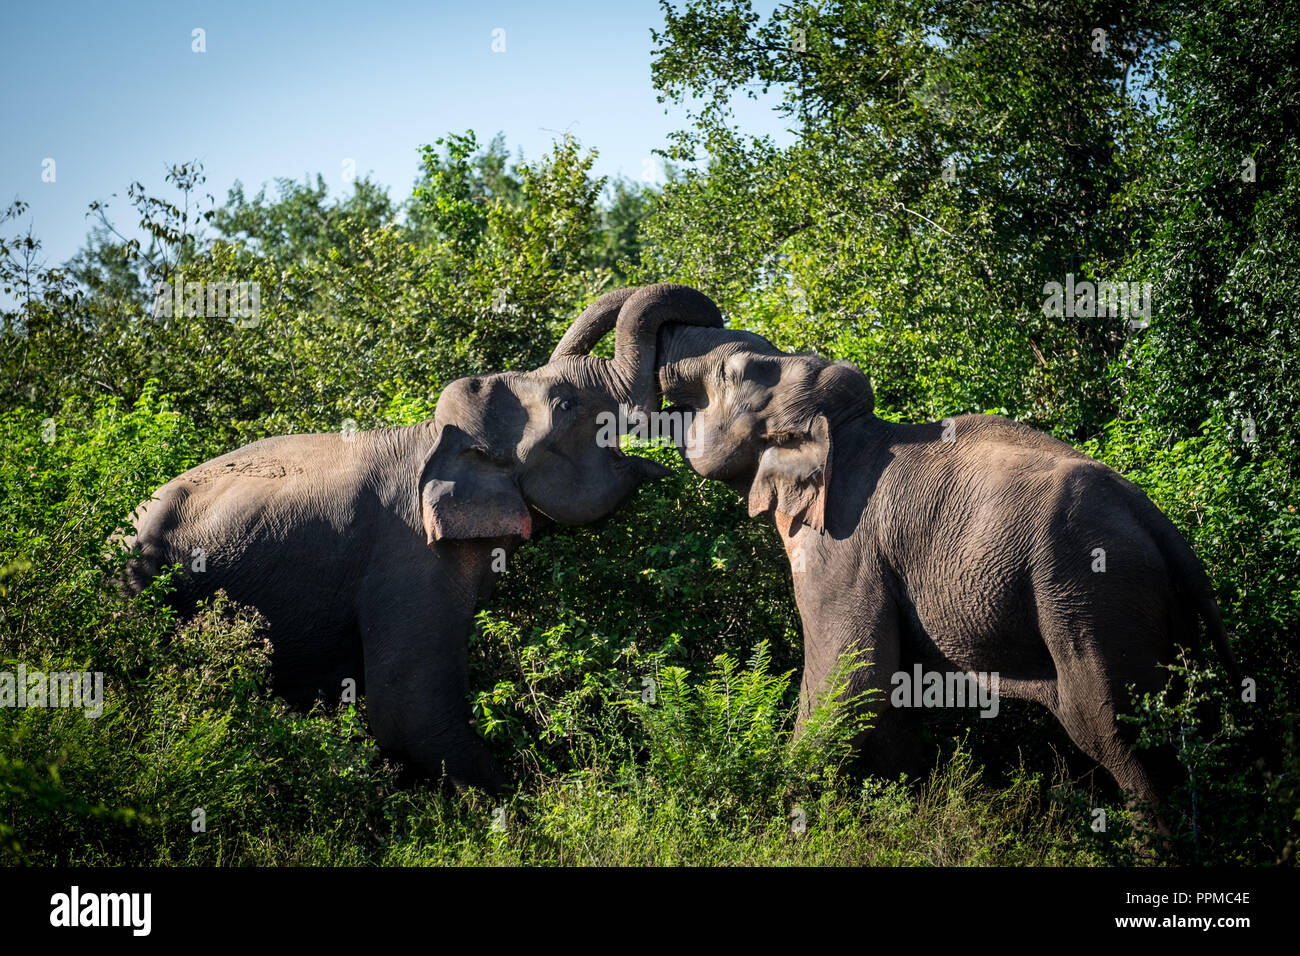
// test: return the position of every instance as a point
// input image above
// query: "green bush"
(730, 736)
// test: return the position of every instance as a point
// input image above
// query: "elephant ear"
(794, 473)
(466, 493)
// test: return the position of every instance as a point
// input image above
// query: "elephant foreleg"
(417, 689)
(836, 624)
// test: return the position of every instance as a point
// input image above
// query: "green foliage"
(624, 597)
(69, 483)
(450, 203)
(301, 223)
(619, 245)
(729, 736)
(1215, 775)
(1222, 183)
(854, 240)
(955, 819)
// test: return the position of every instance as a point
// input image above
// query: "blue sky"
(112, 92)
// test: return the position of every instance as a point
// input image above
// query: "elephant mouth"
(565, 505)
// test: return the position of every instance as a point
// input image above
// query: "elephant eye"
(564, 405)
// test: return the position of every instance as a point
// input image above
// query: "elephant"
(976, 544)
(366, 553)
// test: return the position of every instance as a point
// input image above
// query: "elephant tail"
(1202, 594)
(1191, 581)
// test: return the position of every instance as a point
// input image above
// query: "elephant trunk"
(590, 327)
(636, 315)
(686, 355)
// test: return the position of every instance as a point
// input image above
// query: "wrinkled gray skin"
(974, 554)
(367, 557)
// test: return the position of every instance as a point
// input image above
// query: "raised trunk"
(637, 322)
(590, 327)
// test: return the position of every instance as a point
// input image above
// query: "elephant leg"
(421, 717)
(1087, 702)
(891, 744)
(417, 688)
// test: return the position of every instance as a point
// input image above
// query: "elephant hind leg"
(1085, 705)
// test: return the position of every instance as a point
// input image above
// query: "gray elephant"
(975, 545)
(367, 553)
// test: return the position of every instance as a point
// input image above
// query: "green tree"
(948, 161)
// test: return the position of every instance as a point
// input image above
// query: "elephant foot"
(472, 767)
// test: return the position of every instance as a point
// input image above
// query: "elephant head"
(761, 420)
(514, 443)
